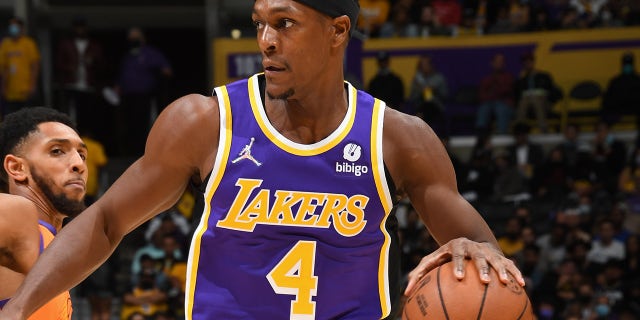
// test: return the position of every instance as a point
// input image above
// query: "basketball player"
(44, 167)
(299, 172)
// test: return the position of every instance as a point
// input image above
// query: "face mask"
(14, 29)
(135, 44)
(627, 69)
(602, 310)
(546, 313)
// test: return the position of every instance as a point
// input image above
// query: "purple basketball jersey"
(292, 231)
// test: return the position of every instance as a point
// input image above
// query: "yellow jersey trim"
(293, 147)
(222, 157)
(377, 165)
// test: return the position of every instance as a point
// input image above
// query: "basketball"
(439, 295)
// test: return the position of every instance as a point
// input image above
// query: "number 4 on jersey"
(293, 275)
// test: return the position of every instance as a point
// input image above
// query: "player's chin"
(76, 195)
(279, 92)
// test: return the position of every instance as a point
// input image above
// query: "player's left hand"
(483, 254)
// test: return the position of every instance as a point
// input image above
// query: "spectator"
(503, 23)
(535, 89)
(622, 95)
(570, 144)
(605, 247)
(175, 272)
(525, 154)
(540, 21)
(570, 19)
(478, 182)
(144, 297)
(149, 263)
(96, 160)
(429, 90)
(428, 23)
(373, 13)
(171, 222)
(629, 186)
(510, 185)
(632, 258)
(19, 67)
(79, 71)
(589, 10)
(448, 14)
(99, 290)
(141, 73)
(400, 24)
(154, 249)
(386, 85)
(530, 266)
(552, 178)
(519, 14)
(617, 215)
(511, 241)
(552, 247)
(609, 283)
(496, 97)
(610, 156)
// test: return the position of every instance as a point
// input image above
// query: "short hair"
(17, 20)
(17, 126)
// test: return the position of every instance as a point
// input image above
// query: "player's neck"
(46, 211)
(311, 118)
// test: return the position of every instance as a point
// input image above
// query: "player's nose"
(78, 163)
(267, 39)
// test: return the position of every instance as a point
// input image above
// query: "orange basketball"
(440, 295)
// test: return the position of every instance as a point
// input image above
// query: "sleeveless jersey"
(292, 231)
(59, 308)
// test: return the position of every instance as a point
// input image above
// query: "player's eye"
(57, 151)
(285, 23)
(258, 24)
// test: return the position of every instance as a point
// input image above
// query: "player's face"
(57, 167)
(295, 43)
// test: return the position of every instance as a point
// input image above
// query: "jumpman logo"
(246, 154)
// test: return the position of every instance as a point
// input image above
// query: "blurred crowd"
(424, 18)
(115, 105)
(568, 215)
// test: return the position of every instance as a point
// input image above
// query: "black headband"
(336, 8)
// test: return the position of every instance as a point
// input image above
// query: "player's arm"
(181, 145)
(19, 236)
(421, 169)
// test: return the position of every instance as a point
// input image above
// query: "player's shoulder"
(408, 137)
(402, 126)
(188, 127)
(191, 109)
(16, 210)
(195, 102)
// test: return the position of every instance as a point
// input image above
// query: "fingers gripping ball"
(440, 295)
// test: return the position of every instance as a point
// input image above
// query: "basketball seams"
(444, 307)
(526, 304)
(484, 298)
(468, 298)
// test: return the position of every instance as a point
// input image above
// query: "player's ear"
(16, 168)
(341, 27)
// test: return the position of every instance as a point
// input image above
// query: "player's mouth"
(272, 68)
(76, 183)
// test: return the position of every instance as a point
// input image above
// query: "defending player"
(45, 172)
